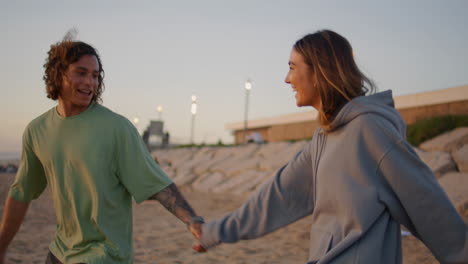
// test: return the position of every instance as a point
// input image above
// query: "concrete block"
(240, 161)
(455, 185)
(254, 182)
(238, 181)
(208, 182)
(447, 142)
(276, 161)
(439, 162)
(461, 158)
(219, 155)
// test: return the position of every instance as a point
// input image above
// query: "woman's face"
(302, 81)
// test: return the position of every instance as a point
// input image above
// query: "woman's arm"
(285, 198)
(422, 205)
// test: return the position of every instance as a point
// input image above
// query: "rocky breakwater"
(242, 169)
(238, 169)
(447, 156)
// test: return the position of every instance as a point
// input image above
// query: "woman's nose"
(286, 80)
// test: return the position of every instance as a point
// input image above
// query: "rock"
(439, 162)
(170, 172)
(241, 166)
(253, 183)
(455, 185)
(219, 155)
(271, 149)
(242, 182)
(242, 160)
(184, 171)
(235, 181)
(461, 158)
(282, 156)
(208, 182)
(447, 142)
(173, 157)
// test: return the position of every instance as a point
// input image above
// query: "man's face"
(80, 83)
(301, 79)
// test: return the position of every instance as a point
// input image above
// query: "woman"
(358, 177)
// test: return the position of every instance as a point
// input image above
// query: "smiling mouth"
(85, 92)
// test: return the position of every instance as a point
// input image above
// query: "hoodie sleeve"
(285, 198)
(418, 202)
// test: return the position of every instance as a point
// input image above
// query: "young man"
(94, 162)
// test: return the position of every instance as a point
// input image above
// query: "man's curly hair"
(60, 56)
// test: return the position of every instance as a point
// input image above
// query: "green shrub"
(423, 130)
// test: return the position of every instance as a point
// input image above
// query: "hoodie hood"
(381, 104)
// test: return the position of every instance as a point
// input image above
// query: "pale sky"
(163, 52)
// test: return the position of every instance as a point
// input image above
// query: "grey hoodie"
(359, 182)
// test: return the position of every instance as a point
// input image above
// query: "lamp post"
(159, 109)
(248, 86)
(193, 110)
(136, 120)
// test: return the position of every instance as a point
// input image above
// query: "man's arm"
(13, 215)
(171, 198)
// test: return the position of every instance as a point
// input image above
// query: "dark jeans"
(51, 259)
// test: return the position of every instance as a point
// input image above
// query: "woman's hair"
(60, 56)
(338, 78)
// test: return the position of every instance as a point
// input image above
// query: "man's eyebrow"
(85, 69)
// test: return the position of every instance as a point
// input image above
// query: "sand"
(160, 238)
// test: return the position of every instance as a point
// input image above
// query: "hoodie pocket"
(320, 244)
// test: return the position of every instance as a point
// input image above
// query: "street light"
(248, 87)
(193, 110)
(159, 109)
(136, 120)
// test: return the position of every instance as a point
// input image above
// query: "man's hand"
(196, 230)
(171, 198)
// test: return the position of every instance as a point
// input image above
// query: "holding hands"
(195, 227)
(199, 248)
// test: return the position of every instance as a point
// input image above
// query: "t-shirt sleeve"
(30, 179)
(136, 169)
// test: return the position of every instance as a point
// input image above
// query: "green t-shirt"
(94, 163)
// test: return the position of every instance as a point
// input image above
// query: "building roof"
(453, 94)
(275, 120)
(447, 95)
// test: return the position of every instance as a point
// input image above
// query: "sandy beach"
(160, 238)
